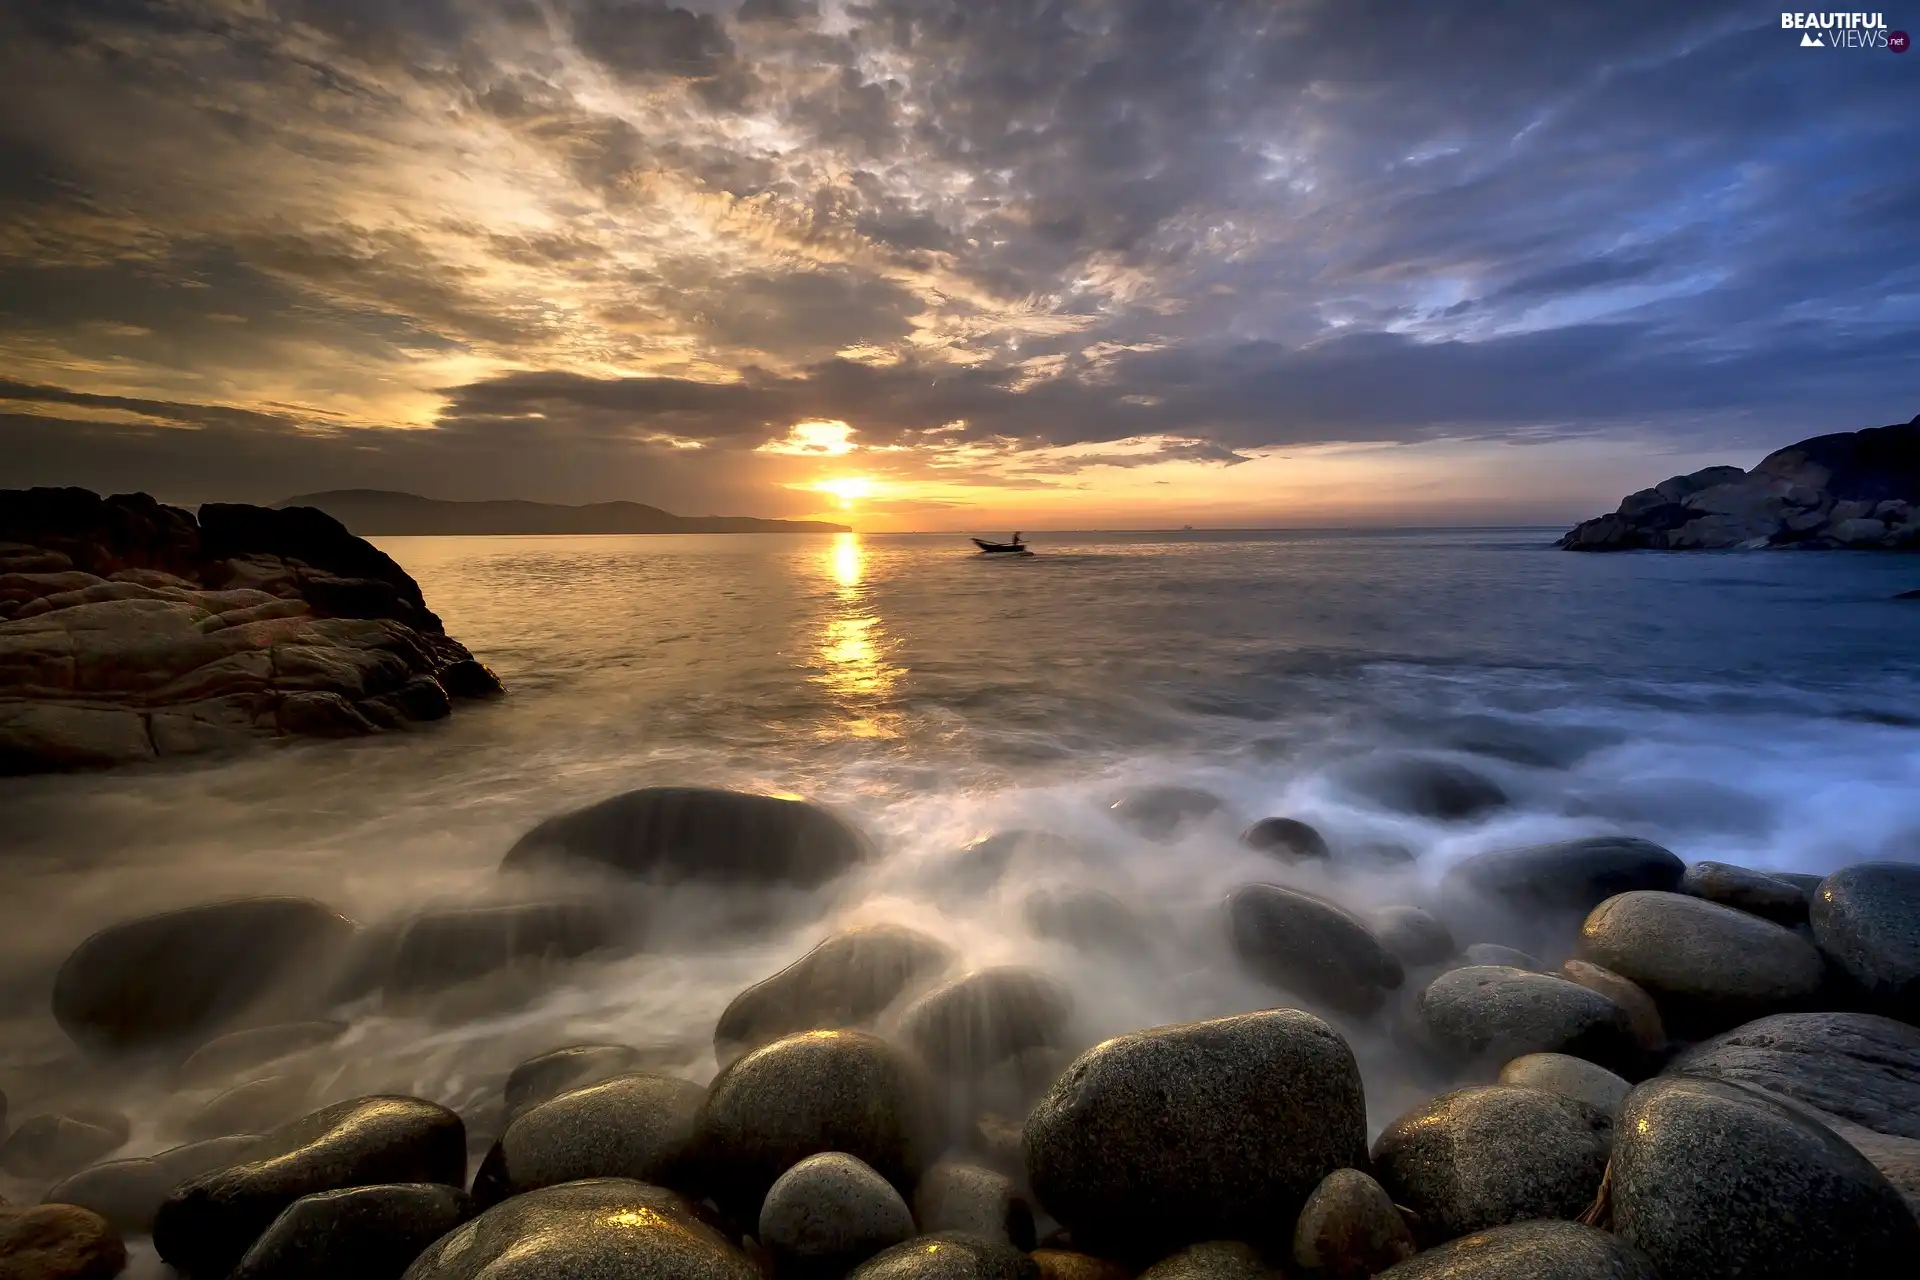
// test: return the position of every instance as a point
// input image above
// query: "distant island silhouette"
(373, 512)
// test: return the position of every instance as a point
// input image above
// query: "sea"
(1760, 708)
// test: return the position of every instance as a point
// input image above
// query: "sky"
(948, 264)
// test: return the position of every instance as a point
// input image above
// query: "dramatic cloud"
(585, 249)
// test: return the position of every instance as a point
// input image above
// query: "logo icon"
(1897, 41)
(1812, 41)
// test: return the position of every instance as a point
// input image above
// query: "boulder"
(1713, 1180)
(206, 1224)
(845, 981)
(978, 1021)
(1708, 967)
(1498, 1013)
(1570, 1077)
(953, 1196)
(1856, 1068)
(1491, 1155)
(636, 1126)
(181, 973)
(948, 1256)
(128, 1193)
(1643, 1015)
(1287, 839)
(563, 1070)
(1087, 920)
(606, 1227)
(1754, 892)
(1309, 946)
(1065, 1264)
(1545, 1250)
(844, 1091)
(224, 1057)
(1532, 896)
(1214, 1260)
(1866, 919)
(1424, 786)
(1162, 813)
(668, 834)
(53, 1145)
(441, 949)
(369, 1233)
(1494, 953)
(1350, 1229)
(1414, 935)
(58, 1242)
(254, 1107)
(828, 1214)
(1201, 1131)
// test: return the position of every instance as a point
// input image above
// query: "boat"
(1015, 548)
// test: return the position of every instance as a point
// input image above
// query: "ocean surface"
(1762, 708)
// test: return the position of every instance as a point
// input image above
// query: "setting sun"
(848, 488)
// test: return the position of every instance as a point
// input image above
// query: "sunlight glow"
(829, 439)
(847, 488)
(845, 559)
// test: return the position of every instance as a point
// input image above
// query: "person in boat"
(1016, 539)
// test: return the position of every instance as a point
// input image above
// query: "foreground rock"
(634, 1126)
(978, 1021)
(369, 1233)
(1311, 947)
(948, 1256)
(1530, 1251)
(53, 1145)
(1643, 1015)
(1570, 1077)
(128, 1193)
(205, 1225)
(563, 1070)
(1499, 1013)
(1065, 1264)
(830, 1213)
(609, 1227)
(58, 1242)
(1867, 920)
(953, 1196)
(1711, 1180)
(1531, 896)
(1214, 1260)
(1754, 892)
(1350, 1229)
(130, 630)
(183, 973)
(846, 981)
(1708, 967)
(1488, 1156)
(1206, 1130)
(1854, 489)
(668, 834)
(1288, 839)
(821, 1091)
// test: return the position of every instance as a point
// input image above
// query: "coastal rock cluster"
(131, 630)
(1856, 489)
(1696, 1090)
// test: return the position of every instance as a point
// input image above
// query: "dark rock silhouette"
(382, 511)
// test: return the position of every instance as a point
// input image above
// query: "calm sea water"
(1761, 708)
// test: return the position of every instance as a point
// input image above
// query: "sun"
(848, 489)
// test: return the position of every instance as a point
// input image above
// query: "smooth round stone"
(563, 1070)
(636, 1126)
(1287, 839)
(1743, 889)
(1711, 1180)
(54, 1145)
(1529, 1251)
(1867, 920)
(1494, 1154)
(1214, 1260)
(1414, 935)
(1202, 1131)
(667, 834)
(1494, 953)
(1643, 1015)
(224, 1057)
(1066, 1264)
(1086, 919)
(1708, 967)
(164, 977)
(947, 1256)
(58, 1242)
(1858, 1067)
(1425, 787)
(1309, 946)
(818, 1091)
(206, 1224)
(128, 1193)
(604, 1229)
(368, 1233)
(983, 863)
(1499, 1013)
(438, 950)
(975, 1022)
(953, 1196)
(1570, 1077)
(1161, 813)
(1566, 876)
(1350, 1229)
(254, 1107)
(846, 981)
(830, 1213)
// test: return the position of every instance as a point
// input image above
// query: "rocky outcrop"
(1854, 489)
(131, 630)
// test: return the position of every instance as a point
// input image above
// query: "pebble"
(845, 981)
(828, 1214)
(1311, 947)
(1570, 1077)
(58, 1242)
(1544, 1250)
(1350, 1229)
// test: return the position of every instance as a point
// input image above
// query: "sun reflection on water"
(852, 648)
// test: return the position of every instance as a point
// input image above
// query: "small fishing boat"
(1014, 548)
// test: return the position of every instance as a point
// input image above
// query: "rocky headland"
(131, 630)
(1721, 1078)
(1856, 490)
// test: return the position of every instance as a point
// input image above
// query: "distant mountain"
(378, 511)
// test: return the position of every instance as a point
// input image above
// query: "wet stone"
(1311, 947)
(1866, 919)
(128, 1193)
(367, 1233)
(1498, 1013)
(1529, 1251)
(224, 1057)
(1065, 1264)
(1086, 919)
(1425, 786)
(1214, 1260)
(948, 1256)
(58, 1242)
(254, 1107)
(1754, 892)
(636, 1126)
(830, 1213)
(1414, 935)
(1570, 1077)
(53, 1145)
(1494, 953)
(984, 1018)
(1350, 1229)
(1162, 813)
(846, 981)
(1643, 1015)
(563, 1070)
(1287, 839)
(953, 1196)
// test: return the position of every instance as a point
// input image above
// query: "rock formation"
(1854, 489)
(131, 630)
